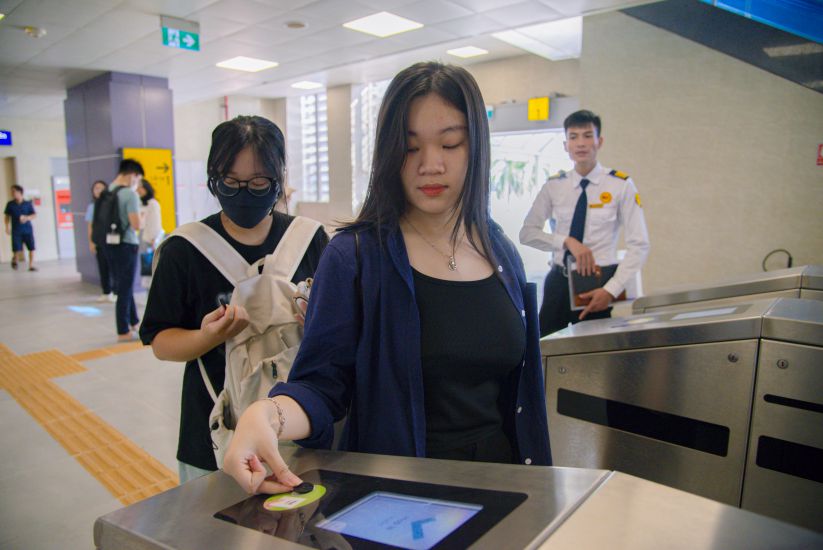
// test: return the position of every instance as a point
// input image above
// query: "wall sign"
(5, 137)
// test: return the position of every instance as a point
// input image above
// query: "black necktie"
(579, 218)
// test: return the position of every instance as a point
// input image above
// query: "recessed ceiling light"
(248, 64)
(296, 25)
(383, 24)
(467, 51)
(807, 48)
(555, 40)
(306, 85)
(2, 15)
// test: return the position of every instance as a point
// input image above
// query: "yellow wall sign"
(159, 171)
(539, 108)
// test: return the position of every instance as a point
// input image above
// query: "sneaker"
(32, 268)
(14, 264)
(128, 337)
(103, 298)
(112, 297)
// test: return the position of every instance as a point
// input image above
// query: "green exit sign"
(181, 34)
(175, 38)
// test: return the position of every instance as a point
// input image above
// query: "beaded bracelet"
(281, 418)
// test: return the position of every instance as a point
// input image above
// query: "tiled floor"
(52, 488)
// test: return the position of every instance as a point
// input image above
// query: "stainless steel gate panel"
(676, 415)
(808, 294)
(797, 282)
(628, 513)
(799, 321)
(784, 469)
(651, 330)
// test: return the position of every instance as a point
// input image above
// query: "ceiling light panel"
(307, 85)
(383, 24)
(555, 40)
(467, 51)
(248, 64)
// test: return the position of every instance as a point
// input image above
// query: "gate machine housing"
(804, 282)
(724, 402)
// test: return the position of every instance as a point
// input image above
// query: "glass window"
(315, 147)
(364, 109)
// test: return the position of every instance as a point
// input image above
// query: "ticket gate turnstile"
(805, 282)
(672, 396)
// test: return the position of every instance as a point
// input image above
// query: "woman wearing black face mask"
(184, 319)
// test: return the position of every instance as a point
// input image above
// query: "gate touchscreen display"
(363, 512)
(400, 520)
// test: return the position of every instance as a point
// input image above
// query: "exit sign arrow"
(180, 33)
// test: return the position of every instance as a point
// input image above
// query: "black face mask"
(246, 210)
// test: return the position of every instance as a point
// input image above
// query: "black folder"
(579, 284)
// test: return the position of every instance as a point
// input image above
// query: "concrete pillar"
(340, 175)
(104, 115)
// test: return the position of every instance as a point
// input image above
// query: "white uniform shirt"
(613, 202)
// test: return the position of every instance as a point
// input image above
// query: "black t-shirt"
(472, 337)
(14, 210)
(184, 288)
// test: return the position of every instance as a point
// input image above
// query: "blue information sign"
(5, 137)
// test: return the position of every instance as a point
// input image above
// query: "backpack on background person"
(106, 226)
(262, 354)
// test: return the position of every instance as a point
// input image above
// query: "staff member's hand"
(583, 256)
(224, 322)
(599, 299)
(255, 443)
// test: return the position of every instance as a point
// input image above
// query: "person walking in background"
(19, 214)
(121, 247)
(106, 275)
(151, 228)
(586, 208)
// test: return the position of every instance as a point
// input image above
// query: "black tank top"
(471, 338)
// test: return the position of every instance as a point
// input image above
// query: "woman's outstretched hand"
(253, 446)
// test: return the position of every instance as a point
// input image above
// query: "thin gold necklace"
(450, 258)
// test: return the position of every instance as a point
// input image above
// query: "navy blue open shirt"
(374, 375)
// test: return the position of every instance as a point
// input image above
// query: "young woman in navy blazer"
(421, 329)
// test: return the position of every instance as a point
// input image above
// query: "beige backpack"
(262, 354)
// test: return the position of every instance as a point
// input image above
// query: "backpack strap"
(286, 258)
(220, 253)
(206, 380)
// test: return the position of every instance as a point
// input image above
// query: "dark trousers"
(106, 275)
(122, 260)
(556, 312)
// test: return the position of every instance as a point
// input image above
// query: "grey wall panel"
(154, 82)
(125, 78)
(80, 197)
(98, 120)
(74, 110)
(159, 118)
(126, 116)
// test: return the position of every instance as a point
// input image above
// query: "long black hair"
(232, 136)
(385, 201)
(149, 191)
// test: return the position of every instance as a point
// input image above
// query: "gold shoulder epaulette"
(619, 174)
(560, 175)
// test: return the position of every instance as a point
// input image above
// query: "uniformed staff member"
(611, 202)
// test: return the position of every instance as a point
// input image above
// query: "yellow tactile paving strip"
(105, 352)
(126, 470)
